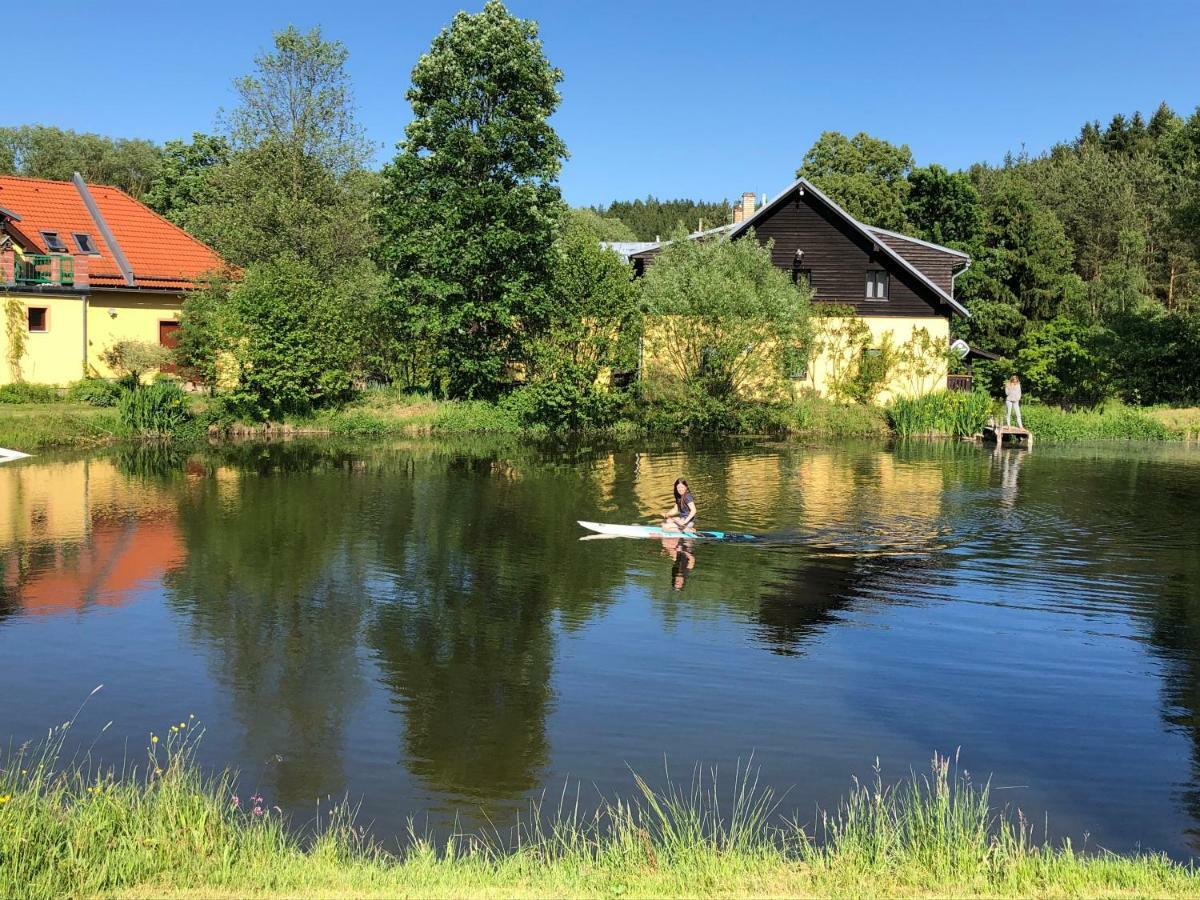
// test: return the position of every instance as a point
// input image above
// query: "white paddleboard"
(656, 531)
(11, 455)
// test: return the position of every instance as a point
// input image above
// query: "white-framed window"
(877, 284)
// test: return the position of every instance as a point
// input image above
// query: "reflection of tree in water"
(273, 585)
(467, 645)
(803, 601)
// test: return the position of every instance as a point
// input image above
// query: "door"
(168, 336)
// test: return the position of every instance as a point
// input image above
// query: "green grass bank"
(163, 829)
(36, 424)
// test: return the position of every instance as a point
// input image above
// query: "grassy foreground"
(165, 830)
(41, 426)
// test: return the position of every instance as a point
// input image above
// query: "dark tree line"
(651, 219)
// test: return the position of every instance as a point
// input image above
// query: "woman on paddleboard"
(681, 516)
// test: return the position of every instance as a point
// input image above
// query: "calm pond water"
(418, 625)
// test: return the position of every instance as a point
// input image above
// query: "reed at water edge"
(165, 828)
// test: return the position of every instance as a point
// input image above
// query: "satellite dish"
(960, 348)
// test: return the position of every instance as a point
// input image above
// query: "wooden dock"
(997, 433)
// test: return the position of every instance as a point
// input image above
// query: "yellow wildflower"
(4, 798)
(154, 738)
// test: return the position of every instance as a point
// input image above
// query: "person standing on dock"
(1012, 400)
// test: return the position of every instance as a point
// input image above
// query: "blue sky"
(693, 99)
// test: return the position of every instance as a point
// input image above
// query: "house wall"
(125, 316)
(51, 357)
(821, 369)
(56, 356)
(838, 257)
(658, 362)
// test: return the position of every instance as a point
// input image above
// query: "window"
(84, 242)
(53, 242)
(877, 284)
(39, 318)
(795, 363)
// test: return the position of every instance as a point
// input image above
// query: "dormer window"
(877, 284)
(84, 242)
(53, 242)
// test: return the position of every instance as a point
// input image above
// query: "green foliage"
(1065, 360)
(184, 177)
(652, 219)
(590, 330)
(954, 413)
(469, 207)
(41, 151)
(1111, 421)
(728, 320)
(943, 206)
(478, 416)
(290, 336)
(16, 337)
(23, 392)
(156, 409)
(866, 176)
(133, 359)
(295, 184)
(600, 227)
(95, 392)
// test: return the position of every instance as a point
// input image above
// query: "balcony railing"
(36, 268)
(959, 382)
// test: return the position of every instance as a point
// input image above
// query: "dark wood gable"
(837, 257)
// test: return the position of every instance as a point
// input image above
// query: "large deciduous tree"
(295, 185)
(470, 205)
(943, 206)
(866, 175)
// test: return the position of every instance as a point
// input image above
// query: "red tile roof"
(162, 255)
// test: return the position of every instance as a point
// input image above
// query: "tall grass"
(954, 413)
(40, 427)
(161, 828)
(1111, 421)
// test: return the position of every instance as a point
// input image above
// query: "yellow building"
(83, 267)
(880, 292)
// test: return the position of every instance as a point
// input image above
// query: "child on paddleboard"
(681, 516)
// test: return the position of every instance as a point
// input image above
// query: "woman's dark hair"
(686, 487)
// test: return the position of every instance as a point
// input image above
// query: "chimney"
(747, 204)
(737, 212)
(80, 261)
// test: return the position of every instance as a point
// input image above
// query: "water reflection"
(682, 553)
(438, 598)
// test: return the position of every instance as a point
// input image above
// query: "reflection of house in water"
(78, 533)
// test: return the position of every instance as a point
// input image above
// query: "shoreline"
(163, 828)
(34, 427)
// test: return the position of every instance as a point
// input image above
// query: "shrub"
(722, 315)
(477, 416)
(565, 405)
(23, 392)
(157, 409)
(957, 413)
(291, 340)
(95, 392)
(133, 359)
